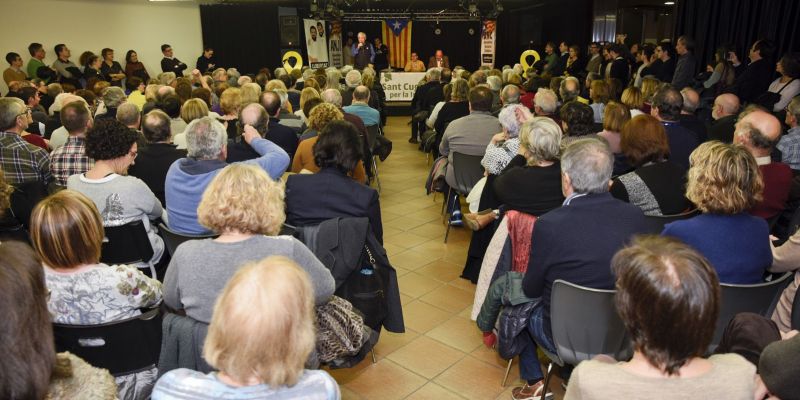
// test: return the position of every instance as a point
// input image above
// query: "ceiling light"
(669, 3)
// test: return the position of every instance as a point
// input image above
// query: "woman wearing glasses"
(120, 198)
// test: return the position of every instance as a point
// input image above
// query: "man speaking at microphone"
(363, 52)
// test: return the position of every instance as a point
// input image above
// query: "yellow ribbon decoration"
(523, 59)
(289, 55)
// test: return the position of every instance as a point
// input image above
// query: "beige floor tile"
(431, 230)
(389, 342)
(472, 379)
(432, 391)
(441, 270)
(422, 317)
(458, 332)
(385, 380)
(449, 298)
(405, 239)
(416, 285)
(426, 356)
(462, 283)
(348, 394)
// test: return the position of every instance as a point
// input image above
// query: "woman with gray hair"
(505, 145)
(113, 97)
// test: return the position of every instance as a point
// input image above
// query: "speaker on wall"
(290, 30)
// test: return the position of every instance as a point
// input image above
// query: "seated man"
(188, 177)
(667, 104)
(789, 145)
(155, 158)
(21, 161)
(282, 135)
(360, 107)
(254, 115)
(469, 135)
(71, 159)
(415, 64)
(688, 117)
(758, 131)
(724, 112)
(575, 243)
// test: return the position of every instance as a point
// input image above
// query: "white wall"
(92, 25)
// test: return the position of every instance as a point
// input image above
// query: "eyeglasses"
(26, 112)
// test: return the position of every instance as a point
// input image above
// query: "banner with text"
(316, 43)
(335, 44)
(488, 41)
(400, 86)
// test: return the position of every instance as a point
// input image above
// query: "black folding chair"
(173, 239)
(467, 171)
(127, 244)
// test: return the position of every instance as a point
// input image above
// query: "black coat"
(173, 65)
(152, 164)
(620, 69)
(754, 81)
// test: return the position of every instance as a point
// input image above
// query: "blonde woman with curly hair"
(257, 354)
(724, 183)
(245, 207)
(318, 119)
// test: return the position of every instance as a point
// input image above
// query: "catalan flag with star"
(396, 34)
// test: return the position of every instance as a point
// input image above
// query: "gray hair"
(284, 95)
(166, 78)
(494, 83)
(128, 114)
(541, 139)
(546, 99)
(205, 138)
(308, 73)
(510, 95)
(512, 117)
(568, 95)
(794, 108)
(353, 78)
(332, 96)
(332, 78)
(10, 109)
(233, 77)
(279, 72)
(256, 116)
(434, 74)
(345, 69)
(589, 165)
(113, 97)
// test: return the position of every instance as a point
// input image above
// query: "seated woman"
(31, 369)
(330, 193)
(599, 93)
(245, 207)
(505, 145)
(67, 234)
(120, 198)
(614, 118)
(191, 110)
(318, 119)
(786, 258)
(250, 367)
(577, 119)
(662, 280)
(656, 185)
(724, 183)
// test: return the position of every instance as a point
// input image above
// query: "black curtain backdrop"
(244, 36)
(455, 41)
(739, 22)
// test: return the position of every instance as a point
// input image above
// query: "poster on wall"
(335, 44)
(488, 39)
(316, 43)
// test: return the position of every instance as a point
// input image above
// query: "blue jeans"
(529, 368)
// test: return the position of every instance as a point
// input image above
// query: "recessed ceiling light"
(669, 3)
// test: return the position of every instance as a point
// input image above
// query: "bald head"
(691, 100)
(724, 105)
(256, 116)
(361, 94)
(332, 96)
(757, 130)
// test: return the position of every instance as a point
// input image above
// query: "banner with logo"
(335, 44)
(316, 43)
(488, 40)
(400, 86)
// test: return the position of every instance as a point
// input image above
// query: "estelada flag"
(396, 34)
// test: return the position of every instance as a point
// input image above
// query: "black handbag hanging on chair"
(365, 289)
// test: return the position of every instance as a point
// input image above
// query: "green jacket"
(505, 290)
(33, 66)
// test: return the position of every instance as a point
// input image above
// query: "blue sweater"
(736, 245)
(188, 178)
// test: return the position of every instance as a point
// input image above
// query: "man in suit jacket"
(439, 60)
(757, 76)
(595, 59)
(667, 104)
(170, 63)
(575, 243)
(620, 68)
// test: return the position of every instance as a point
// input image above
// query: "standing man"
(206, 62)
(620, 69)
(439, 60)
(170, 63)
(686, 66)
(594, 58)
(67, 70)
(381, 55)
(363, 52)
(414, 64)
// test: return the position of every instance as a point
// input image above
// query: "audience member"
(657, 280)
(245, 207)
(254, 115)
(361, 108)
(206, 62)
(787, 85)
(135, 68)
(191, 110)
(36, 62)
(307, 94)
(231, 104)
(110, 69)
(129, 115)
(21, 161)
(688, 117)
(724, 113)
(67, 71)
(426, 96)
(723, 73)
(546, 104)
(157, 155)
(686, 66)
(593, 65)
(656, 185)
(457, 107)
(615, 116)
(789, 144)
(620, 68)
(113, 97)
(785, 258)
(314, 198)
(724, 183)
(31, 367)
(576, 64)
(188, 177)
(575, 243)
(505, 145)
(169, 63)
(71, 158)
(14, 71)
(758, 131)
(281, 135)
(667, 104)
(756, 77)
(67, 234)
(577, 119)
(599, 94)
(248, 365)
(664, 67)
(135, 88)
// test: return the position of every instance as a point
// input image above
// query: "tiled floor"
(441, 355)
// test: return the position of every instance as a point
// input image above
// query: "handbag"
(365, 289)
(769, 99)
(340, 330)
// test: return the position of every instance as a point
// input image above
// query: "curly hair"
(322, 114)
(338, 146)
(242, 198)
(109, 139)
(579, 118)
(723, 178)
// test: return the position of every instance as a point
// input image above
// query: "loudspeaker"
(290, 30)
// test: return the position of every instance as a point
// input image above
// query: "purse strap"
(787, 84)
